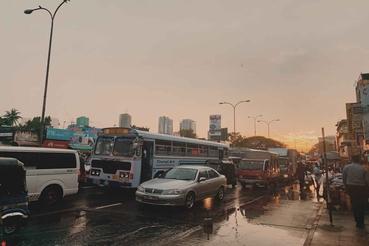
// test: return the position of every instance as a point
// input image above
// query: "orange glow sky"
(295, 60)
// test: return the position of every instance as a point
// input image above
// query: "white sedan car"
(183, 186)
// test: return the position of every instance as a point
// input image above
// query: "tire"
(190, 200)
(51, 196)
(10, 226)
(220, 194)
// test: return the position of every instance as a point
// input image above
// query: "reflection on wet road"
(111, 217)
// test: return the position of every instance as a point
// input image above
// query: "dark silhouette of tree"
(318, 148)
(11, 117)
(255, 142)
(188, 133)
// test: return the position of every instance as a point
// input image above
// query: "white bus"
(51, 174)
(125, 157)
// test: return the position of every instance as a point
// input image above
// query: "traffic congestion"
(158, 169)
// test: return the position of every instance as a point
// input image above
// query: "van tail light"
(131, 176)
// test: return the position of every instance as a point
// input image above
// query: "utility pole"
(52, 17)
(329, 205)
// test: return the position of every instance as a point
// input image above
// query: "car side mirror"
(202, 179)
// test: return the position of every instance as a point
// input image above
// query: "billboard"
(59, 134)
(80, 140)
(215, 122)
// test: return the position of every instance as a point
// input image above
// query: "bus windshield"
(123, 147)
(104, 146)
(251, 165)
(283, 164)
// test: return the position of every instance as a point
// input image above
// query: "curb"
(310, 234)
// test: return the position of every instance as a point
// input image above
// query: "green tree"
(35, 124)
(188, 133)
(11, 117)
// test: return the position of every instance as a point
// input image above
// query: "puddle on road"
(265, 222)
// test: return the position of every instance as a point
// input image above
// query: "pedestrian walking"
(300, 171)
(317, 176)
(356, 181)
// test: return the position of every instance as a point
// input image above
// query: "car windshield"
(123, 147)
(251, 165)
(104, 146)
(181, 174)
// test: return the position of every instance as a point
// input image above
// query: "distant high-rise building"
(165, 125)
(83, 121)
(188, 124)
(125, 120)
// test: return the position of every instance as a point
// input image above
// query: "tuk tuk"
(13, 195)
(226, 168)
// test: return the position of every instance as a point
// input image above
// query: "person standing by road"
(317, 176)
(356, 181)
(300, 171)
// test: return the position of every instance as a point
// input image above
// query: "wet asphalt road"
(112, 217)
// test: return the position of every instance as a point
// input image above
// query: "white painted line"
(108, 206)
(87, 187)
(254, 200)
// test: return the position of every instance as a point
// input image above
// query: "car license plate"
(151, 197)
(114, 177)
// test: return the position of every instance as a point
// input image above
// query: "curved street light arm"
(241, 102)
(228, 104)
(56, 10)
(29, 11)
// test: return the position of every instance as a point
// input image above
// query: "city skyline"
(167, 52)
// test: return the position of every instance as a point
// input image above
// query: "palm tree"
(12, 117)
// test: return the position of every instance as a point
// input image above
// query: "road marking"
(108, 206)
(87, 187)
(254, 200)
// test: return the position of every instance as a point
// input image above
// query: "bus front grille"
(110, 166)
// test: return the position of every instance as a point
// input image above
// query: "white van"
(51, 173)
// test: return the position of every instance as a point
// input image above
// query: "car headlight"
(172, 192)
(140, 188)
(286, 175)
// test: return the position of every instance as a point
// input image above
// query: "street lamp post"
(255, 119)
(234, 111)
(52, 16)
(268, 124)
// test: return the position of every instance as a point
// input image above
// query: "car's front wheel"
(220, 194)
(190, 200)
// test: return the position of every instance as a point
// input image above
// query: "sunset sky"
(295, 60)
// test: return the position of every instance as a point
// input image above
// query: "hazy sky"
(295, 60)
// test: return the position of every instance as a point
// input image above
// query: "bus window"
(123, 147)
(203, 150)
(213, 152)
(163, 147)
(104, 146)
(179, 149)
(192, 150)
(266, 167)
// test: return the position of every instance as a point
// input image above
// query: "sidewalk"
(343, 231)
